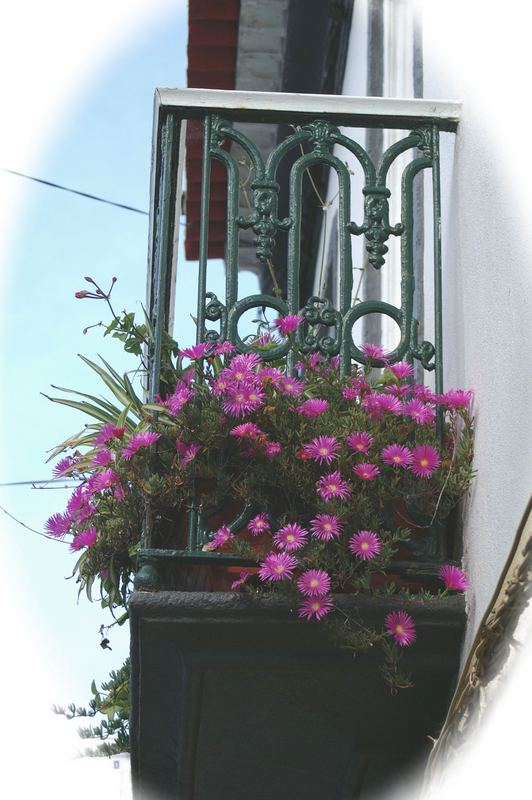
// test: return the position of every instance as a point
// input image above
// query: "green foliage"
(112, 703)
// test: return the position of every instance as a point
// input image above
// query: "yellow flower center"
(279, 568)
(290, 537)
(327, 526)
(424, 462)
(397, 459)
(323, 451)
(399, 629)
(314, 582)
(364, 545)
(316, 605)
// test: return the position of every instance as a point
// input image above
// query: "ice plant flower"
(84, 538)
(178, 399)
(374, 351)
(57, 525)
(259, 524)
(138, 441)
(272, 449)
(197, 351)
(359, 441)
(366, 471)
(248, 430)
(291, 386)
(401, 626)
(453, 578)
(365, 544)
(224, 348)
(289, 324)
(314, 583)
(64, 466)
(325, 527)
(221, 537)
(240, 581)
(290, 537)
(102, 458)
(401, 370)
(425, 459)
(456, 398)
(104, 480)
(315, 607)
(108, 432)
(323, 449)
(333, 485)
(396, 455)
(313, 408)
(188, 452)
(419, 412)
(277, 566)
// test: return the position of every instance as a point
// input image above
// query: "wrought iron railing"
(315, 121)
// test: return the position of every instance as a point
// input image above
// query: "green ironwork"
(327, 330)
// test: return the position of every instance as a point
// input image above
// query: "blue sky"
(102, 145)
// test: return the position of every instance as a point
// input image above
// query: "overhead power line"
(76, 191)
(28, 528)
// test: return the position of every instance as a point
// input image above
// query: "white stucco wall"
(481, 55)
(478, 52)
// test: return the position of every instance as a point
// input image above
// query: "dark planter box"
(235, 698)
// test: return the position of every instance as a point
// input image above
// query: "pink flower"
(314, 583)
(64, 466)
(187, 452)
(401, 626)
(57, 525)
(242, 399)
(272, 449)
(84, 538)
(419, 412)
(223, 349)
(425, 459)
(396, 455)
(248, 430)
(288, 324)
(180, 397)
(365, 544)
(315, 607)
(291, 386)
(360, 442)
(258, 525)
(197, 351)
(313, 408)
(244, 575)
(323, 449)
(107, 432)
(366, 471)
(138, 441)
(373, 351)
(242, 367)
(103, 480)
(333, 485)
(456, 398)
(376, 404)
(453, 578)
(271, 374)
(102, 458)
(277, 566)
(424, 393)
(401, 370)
(291, 537)
(325, 527)
(221, 537)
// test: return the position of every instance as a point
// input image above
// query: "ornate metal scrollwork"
(376, 226)
(322, 135)
(319, 312)
(425, 353)
(263, 219)
(425, 141)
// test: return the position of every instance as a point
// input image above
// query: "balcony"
(207, 666)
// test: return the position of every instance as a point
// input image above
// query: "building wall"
(487, 246)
